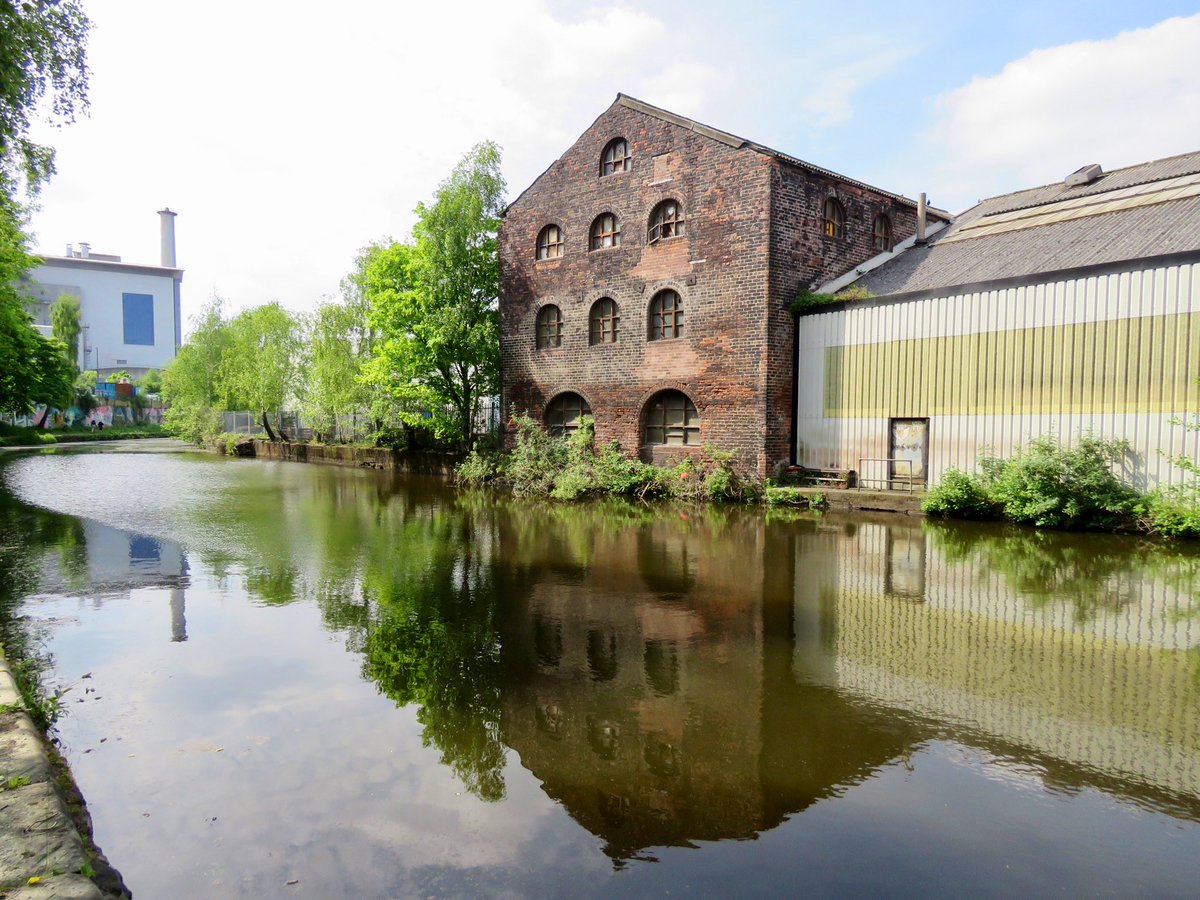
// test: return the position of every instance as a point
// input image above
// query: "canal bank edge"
(444, 464)
(45, 829)
(418, 463)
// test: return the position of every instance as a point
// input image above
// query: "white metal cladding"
(1153, 317)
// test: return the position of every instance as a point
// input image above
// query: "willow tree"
(433, 303)
(192, 391)
(261, 364)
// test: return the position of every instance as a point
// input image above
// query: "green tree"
(151, 382)
(262, 362)
(333, 391)
(433, 302)
(43, 68)
(66, 322)
(192, 392)
(42, 71)
(33, 369)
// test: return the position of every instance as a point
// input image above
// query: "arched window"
(615, 157)
(666, 220)
(550, 243)
(564, 412)
(606, 232)
(671, 418)
(666, 316)
(883, 233)
(549, 327)
(603, 321)
(835, 218)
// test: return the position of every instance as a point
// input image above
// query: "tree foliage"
(338, 344)
(261, 364)
(33, 369)
(433, 302)
(193, 395)
(66, 322)
(43, 67)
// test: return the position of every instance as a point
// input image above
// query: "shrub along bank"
(1049, 485)
(574, 468)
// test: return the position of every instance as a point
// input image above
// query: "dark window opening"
(671, 418)
(835, 218)
(550, 243)
(606, 232)
(603, 321)
(615, 158)
(666, 221)
(549, 327)
(564, 413)
(883, 234)
(666, 316)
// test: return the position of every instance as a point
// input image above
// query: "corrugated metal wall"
(1115, 355)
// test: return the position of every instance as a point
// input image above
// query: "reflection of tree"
(452, 670)
(29, 537)
(275, 587)
(433, 640)
(1094, 573)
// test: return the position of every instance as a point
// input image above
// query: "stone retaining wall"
(422, 463)
(42, 850)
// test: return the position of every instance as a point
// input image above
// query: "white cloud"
(830, 99)
(286, 140)
(1124, 100)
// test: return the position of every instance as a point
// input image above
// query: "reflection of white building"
(131, 317)
(116, 556)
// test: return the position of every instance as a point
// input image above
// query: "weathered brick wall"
(719, 269)
(754, 235)
(802, 256)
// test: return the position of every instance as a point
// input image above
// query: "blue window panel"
(139, 319)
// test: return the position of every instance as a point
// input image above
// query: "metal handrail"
(909, 480)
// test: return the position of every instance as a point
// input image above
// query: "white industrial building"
(130, 312)
(1067, 309)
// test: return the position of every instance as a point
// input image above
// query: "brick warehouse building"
(647, 278)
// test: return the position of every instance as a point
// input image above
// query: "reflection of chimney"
(167, 223)
(178, 615)
(85, 250)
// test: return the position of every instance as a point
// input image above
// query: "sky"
(287, 136)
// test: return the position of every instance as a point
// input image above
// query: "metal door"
(909, 451)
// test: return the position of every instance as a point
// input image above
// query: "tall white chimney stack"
(167, 222)
(921, 214)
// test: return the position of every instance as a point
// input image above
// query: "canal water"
(295, 681)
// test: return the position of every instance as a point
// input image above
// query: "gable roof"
(739, 143)
(1136, 213)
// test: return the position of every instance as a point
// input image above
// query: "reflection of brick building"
(646, 278)
(670, 684)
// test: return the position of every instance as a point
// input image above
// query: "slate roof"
(1122, 235)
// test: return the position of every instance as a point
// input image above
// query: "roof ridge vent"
(1084, 175)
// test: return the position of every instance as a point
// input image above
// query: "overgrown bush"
(1172, 512)
(961, 496)
(1043, 484)
(572, 468)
